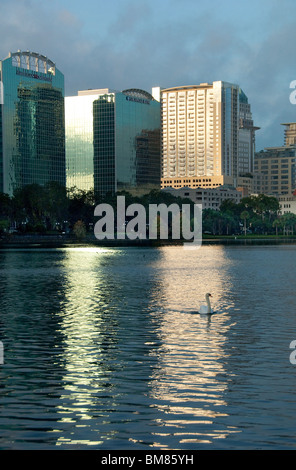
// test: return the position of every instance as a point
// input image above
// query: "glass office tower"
(32, 121)
(126, 142)
(79, 139)
(113, 141)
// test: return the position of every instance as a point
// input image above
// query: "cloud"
(270, 71)
(128, 43)
(66, 18)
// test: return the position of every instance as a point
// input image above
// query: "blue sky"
(127, 43)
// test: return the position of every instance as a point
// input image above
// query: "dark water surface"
(102, 350)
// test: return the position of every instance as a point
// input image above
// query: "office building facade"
(209, 198)
(126, 142)
(207, 132)
(290, 133)
(32, 121)
(113, 141)
(276, 167)
(287, 204)
(79, 123)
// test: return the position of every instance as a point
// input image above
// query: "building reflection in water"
(110, 353)
(108, 331)
(130, 331)
(89, 345)
(191, 383)
(103, 348)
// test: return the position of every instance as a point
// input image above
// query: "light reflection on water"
(103, 348)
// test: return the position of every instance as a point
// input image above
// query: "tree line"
(49, 208)
(253, 214)
(54, 208)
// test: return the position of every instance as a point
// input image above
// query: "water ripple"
(102, 349)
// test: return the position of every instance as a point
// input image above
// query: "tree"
(4, 226)
(210, 221)
(244, 216)
(6, 212)
(288, 222)
(5, 205)
(31, 200)
(81, 206)
(79, 230)
(276, 223)
(56, 203)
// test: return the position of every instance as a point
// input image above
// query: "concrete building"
(290, 133)
(276, 166)
(207, 133)
(287, 204)
(245, 184)
(32, 127)
(209, 198)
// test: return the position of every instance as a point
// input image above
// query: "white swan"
(206, 309)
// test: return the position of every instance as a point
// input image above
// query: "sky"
(122, 44)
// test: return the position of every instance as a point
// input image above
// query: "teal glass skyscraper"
(126, 142)
(113, 141)
(32, 122)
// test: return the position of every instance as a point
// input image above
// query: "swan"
(206, 309)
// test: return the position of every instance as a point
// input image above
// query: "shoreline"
(45, 241)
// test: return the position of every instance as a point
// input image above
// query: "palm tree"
(288, 221)
(277, 223)
(245, 215)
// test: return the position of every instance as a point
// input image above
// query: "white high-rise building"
(207, 133)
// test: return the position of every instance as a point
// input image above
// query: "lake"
(103, 348)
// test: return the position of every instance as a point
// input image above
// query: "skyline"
(128, 44)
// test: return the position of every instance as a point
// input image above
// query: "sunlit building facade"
(32, 122)
(290, 133)
(79, 123)
(207, 132)
(113, 141)
(211, 198)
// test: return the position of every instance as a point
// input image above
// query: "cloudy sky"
(139, 43)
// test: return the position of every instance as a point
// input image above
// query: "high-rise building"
(207, 133)
(113, 141)
(277, 169)
(276, 166)
(290, 133)
(79, 123)
(246, 137)
(32, 130)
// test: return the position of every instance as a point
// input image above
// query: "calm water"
(102, 350)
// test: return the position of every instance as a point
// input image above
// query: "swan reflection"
(191, 381)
